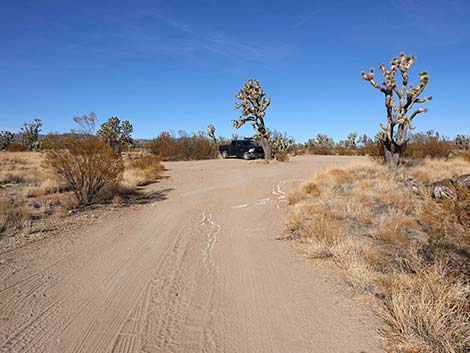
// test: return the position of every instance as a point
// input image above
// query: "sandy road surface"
(198, 272)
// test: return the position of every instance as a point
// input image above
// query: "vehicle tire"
(246, 156)
(224, 155)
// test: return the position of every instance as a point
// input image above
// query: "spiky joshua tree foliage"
(211, 133)
(400, 98)
(254, 103)
(30, 134)
(6, 137)
(116, 133)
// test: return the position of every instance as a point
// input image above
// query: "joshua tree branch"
(416, 112)
(424, 99)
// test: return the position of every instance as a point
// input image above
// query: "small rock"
(462, 181)
(440, 191)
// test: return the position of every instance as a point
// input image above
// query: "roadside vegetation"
(401, 244)
(183, 147)
(53, 176)
(398, 226)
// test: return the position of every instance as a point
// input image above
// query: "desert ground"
(200, 270)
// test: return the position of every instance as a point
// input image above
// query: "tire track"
(70, 303)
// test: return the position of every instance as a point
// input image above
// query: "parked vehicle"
(246, 149)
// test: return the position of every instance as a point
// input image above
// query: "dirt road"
(200, 271)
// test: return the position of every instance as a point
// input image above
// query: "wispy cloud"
(304, 19)
(155, 32)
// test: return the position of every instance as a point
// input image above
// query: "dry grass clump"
(427, 312)
(13, 214)
(142, 170)
(391, 241)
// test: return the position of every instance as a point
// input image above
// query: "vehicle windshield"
(249, 143)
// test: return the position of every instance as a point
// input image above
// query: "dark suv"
(247, 149)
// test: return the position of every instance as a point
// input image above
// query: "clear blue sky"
(171, 65)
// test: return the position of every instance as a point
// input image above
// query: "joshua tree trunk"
(392, 155)
(267, 147)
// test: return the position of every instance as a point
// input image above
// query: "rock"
(462, 181)
(426, 253)
(440, 191)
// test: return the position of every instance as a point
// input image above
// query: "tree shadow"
(142, 197)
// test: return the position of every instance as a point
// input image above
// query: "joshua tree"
(116, 132)
(324, 141)
(399, 101)
(30, 134)
(254, 104)
(364, 140)
(211, 133)
(281, 142)
(463, 141)
(6, 137)
(126, 133)
(351, 141)
(86, 124)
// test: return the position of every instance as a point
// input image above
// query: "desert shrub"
(182, 148)
(87, 165)
(163, 146)
(50, 141)
(17, 147)
(11, 178)
(281, 156)
(428, 144)
(374, 149)
(117, 201)
(421, 145)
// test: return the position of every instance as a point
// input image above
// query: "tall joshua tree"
(254, 104)
(399, 101)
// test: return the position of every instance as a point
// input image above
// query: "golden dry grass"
(142, 170)
(426, 312)
(29, 191)
(392, 241)
(436, 169)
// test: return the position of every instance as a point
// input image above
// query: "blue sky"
(176, 65)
